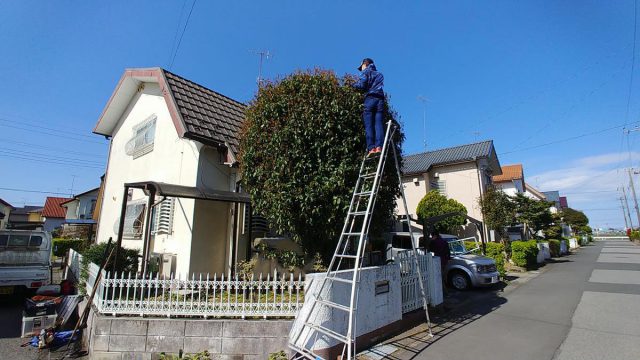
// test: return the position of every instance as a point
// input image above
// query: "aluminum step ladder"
(346, 263)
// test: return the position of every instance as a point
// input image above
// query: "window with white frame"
(133, 221)
(142, 141)
(163, 217)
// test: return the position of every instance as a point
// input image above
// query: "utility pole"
(264, 55)
(626, 204)
(423, 100)
(633, 192)
(624, 214)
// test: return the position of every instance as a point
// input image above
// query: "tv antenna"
(424, 100)
(264, 55)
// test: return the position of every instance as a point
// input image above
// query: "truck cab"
(25, 260)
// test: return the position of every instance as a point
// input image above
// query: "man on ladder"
(372, 83)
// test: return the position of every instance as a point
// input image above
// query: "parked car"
(463, 271)
(25, 260)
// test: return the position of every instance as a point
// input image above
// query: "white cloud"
(590, 183)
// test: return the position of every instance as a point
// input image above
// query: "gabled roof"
(537, 193)
(6, 204)
(422, 162)
(53, 208)
(510, 173)
(198, 113)
(81, 194)
(26, 210)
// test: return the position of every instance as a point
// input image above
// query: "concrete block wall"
(139, 338)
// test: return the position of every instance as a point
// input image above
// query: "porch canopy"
(189, 192)
(153, 189)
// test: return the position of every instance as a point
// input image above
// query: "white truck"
(25, 260)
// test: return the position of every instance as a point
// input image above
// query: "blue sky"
(523, 73)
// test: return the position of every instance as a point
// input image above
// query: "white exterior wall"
(71, 210)
(84, 206)
(6, 211)
(414, 191)
(173, 160)
(509, 187)
(462, 184)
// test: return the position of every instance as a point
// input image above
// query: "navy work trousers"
(372, 116)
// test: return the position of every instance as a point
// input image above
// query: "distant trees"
(534, 213)
(577, 220)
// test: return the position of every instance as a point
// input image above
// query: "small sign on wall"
(382, 287)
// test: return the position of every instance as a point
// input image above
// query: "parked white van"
(25, 260)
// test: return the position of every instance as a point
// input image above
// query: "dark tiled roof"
(53, 208)
(420, 163)
(25, 210)
(206, 113)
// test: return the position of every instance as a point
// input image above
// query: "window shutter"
(163, 217)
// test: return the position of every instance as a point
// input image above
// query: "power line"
(565, 139)
(33, 191)
(175, 36)
(4, 119)
(589, 192)
(47, 157)
(633, 58)
(50, 161)
(58, 149)
(181, 35)
(56, 133)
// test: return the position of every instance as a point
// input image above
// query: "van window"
(35, 241)
(3, 240)
(18, 240)
(402, 242)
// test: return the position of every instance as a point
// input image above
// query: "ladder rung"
(358, 213)
(367, 176)
(352, 234)
(333, 278)
(347, 256)
(334, 305)
(367, 193)
(329, 332)
(304, 353)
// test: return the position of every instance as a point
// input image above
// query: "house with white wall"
(53, 213)
(171, 185)
(79, 212)
(511, 181)
(5, 211)
(461, 172)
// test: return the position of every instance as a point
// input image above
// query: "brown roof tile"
(53, 208)
(509, 173)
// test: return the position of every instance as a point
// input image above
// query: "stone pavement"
(590, 298)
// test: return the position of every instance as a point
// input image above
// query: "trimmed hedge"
(127, 258)
(495, 251)
(524, 253)
(554, 247)
(61, 246)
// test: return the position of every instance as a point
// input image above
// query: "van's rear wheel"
(459, 280)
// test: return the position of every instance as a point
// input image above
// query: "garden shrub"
(554, 247)
(127, 258)
(61, 246)
(494, 250)
(524, 253)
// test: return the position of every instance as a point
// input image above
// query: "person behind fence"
(440, 248)
(372, 83)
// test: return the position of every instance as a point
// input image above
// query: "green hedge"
(554, 247)
(61, 246)
(524, 253)
(127, 258)
(495, 251)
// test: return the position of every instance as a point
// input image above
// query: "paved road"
(583, 306)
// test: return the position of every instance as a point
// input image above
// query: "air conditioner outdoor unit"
(168, 265)
(436, 175)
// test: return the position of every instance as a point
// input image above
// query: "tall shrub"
(301, 148)
(434, 204)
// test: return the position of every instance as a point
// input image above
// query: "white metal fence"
(271, 295)
(409, 282)
(611, 238)
(74, 264)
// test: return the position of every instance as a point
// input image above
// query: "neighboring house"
(5, 212)
(511, 181)
(553, 196)
(172, 168)
(535, 194)
(79, 211)
(462, 173)
(563, 202)
(53, 213)
(26, 218)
